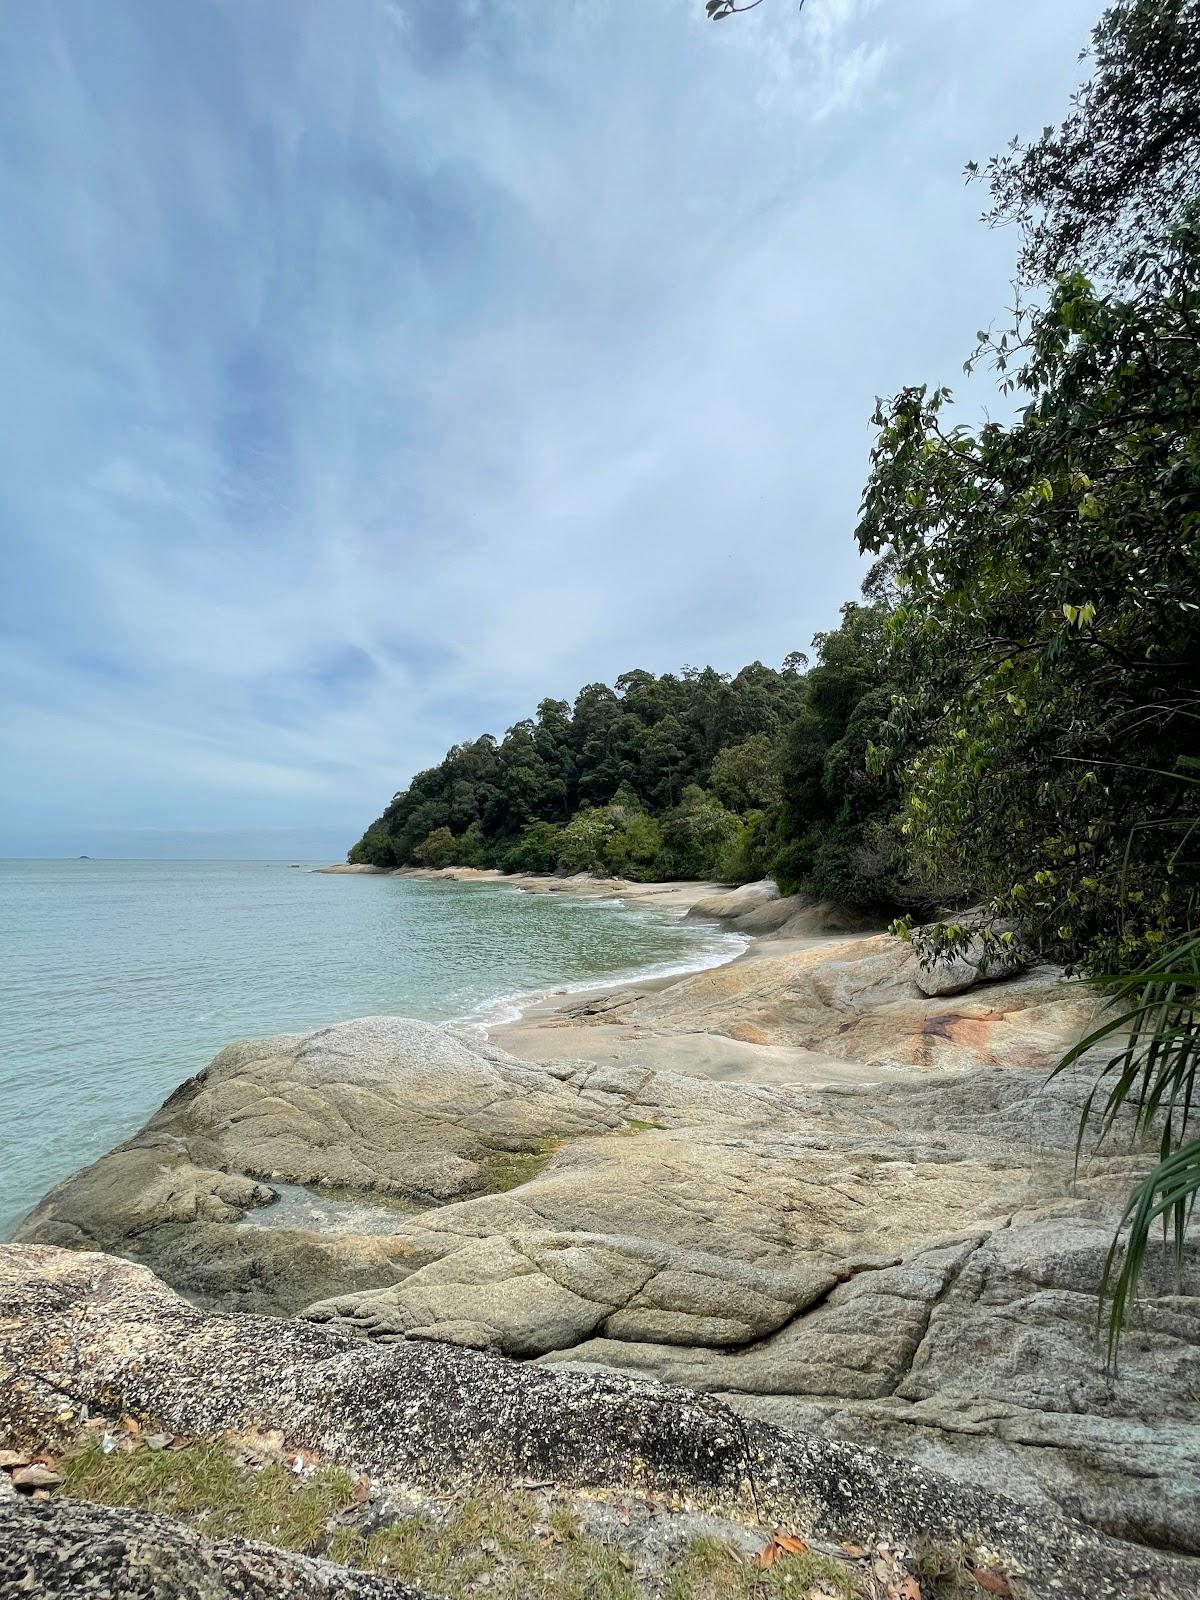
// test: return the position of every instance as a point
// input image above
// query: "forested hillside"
(690, 775)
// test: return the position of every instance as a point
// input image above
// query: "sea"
(120, 979)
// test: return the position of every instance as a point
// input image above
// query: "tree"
(1046, 643)
(536, 850)
(583, 846)
(636, 748)
(1102, 191)
(437, 850)
(633, 851)
(696, 836)
(745, 777)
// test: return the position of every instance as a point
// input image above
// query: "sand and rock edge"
(875, 1243)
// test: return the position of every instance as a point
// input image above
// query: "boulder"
(729, 904)
(981, 960)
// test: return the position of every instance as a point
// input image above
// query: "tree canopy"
(1104, 190)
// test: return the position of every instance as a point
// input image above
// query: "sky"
(373, 371)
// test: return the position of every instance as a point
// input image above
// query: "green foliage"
(585, 840)
(745, 777)
(1045, 639)
(695, 775)
(636, 746)
(1110, 183)
(204, 1480)
(374, 849)
(633, 851)
(536, 850)
(1154, 1014)
(436, 849)
(750, 856)
(696, 835)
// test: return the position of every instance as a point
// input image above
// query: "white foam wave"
(720, 948)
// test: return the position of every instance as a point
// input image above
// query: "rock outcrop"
(906, 1262)
(64, 1549)
(990, 953)
(82, 1331)
(859, 999)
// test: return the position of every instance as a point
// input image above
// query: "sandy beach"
(592, 1024)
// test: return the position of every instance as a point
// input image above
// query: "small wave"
(496, 1012)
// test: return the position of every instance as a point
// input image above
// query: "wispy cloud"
(365, 383)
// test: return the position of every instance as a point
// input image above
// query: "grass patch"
(708, 1571)
(205, 1485)
(513, 1546)
(501, 1540)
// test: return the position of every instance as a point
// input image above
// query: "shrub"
(696, 835)
(537, 849)
(437, 849)
(633, 851)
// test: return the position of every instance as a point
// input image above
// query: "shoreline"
(584, 1022)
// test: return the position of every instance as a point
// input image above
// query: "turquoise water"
(122, 978)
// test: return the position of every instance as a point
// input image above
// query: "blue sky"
(374, 370)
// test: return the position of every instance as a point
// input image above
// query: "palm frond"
(1155, 1012)
(1168, 1192)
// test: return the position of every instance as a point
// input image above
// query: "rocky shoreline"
(829, 1210)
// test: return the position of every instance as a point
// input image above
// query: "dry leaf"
(993, 1582)
(904, 1588)
(790, 1543)
(782, 1544)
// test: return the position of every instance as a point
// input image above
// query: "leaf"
(904, 1588)
(993, 1582)
(789, 1543)
(781, 1544)
(129, 1425)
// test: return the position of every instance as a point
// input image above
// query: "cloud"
(368, 383)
